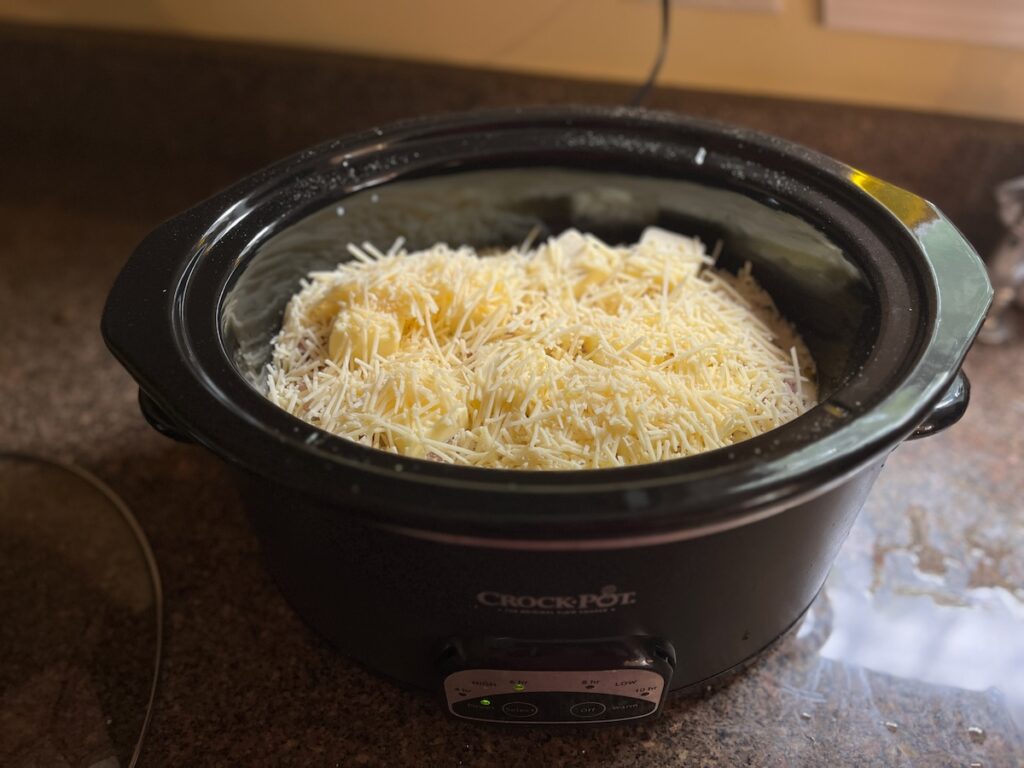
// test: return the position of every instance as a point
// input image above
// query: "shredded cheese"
(573, 355)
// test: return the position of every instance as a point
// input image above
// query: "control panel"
(534, 685)
(553, 696)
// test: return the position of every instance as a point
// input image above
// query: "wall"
(787, 54)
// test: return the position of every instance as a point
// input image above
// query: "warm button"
(519, 709)
(628, 707)
(587, 709)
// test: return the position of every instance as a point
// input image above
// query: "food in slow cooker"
(573, 355)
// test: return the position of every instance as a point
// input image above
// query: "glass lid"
(82, 610)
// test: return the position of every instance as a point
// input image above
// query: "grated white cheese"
(573, 355)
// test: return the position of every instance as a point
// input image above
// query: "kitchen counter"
(912, 655)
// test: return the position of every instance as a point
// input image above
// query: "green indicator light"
(485, 702)
(519, 686)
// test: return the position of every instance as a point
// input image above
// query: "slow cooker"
(536, 597)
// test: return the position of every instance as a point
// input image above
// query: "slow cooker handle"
(160, 421)
(948, 410)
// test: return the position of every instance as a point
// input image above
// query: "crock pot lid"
(78, 574)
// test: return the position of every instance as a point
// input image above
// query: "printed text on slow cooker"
(605, 601)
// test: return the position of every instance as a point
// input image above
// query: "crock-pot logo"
(608, 599)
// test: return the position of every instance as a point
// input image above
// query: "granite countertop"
(913, 654)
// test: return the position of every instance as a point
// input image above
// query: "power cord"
(644, 90)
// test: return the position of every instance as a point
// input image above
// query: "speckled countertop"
(913, 655)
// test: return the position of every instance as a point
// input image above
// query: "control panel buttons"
(519, 709)
(587, 709)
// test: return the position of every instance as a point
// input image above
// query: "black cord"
(644, 90)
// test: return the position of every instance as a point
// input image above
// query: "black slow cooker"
(556, 597)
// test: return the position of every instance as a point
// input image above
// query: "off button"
(587, 709)
(519, 709)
